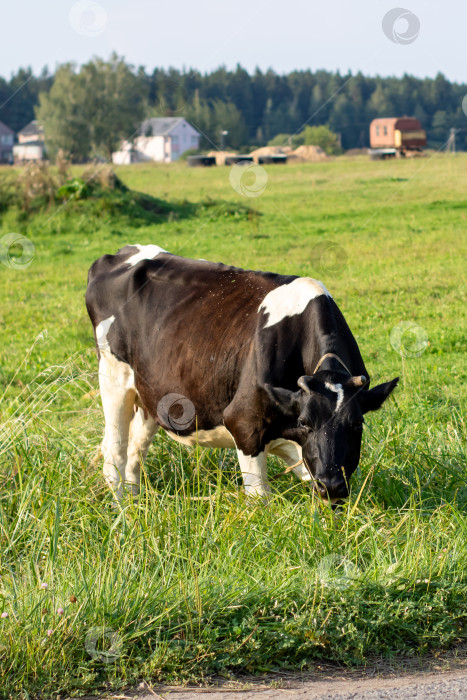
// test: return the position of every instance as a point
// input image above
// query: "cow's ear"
(283, 400)
(374, 398)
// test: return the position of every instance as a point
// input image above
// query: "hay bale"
(220, 156)
(309, 154)
(268, 151)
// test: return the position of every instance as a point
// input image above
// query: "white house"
(30, 144)
(161, 139)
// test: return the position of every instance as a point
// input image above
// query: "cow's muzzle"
(332, 489)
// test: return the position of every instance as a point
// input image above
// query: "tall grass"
(193, 579)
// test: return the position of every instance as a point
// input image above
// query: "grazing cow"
(224, 357)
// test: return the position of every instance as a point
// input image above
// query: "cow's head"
(326, 417)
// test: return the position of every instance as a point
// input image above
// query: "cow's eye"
(302, 425)
(357, 425)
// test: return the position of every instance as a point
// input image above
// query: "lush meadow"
(177, 586)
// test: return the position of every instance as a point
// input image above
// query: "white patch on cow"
(337, 389)
(254, 473)
(291, 299)
(101, 333)
(216, 437)
(146, 252)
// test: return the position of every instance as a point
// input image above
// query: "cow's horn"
(357, 381)
(303, 383)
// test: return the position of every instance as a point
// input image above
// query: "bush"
(77, 188)
(310, 136)
(282, 140)
(320, 136)
(190, 152)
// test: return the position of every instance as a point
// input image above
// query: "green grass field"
(178, 588)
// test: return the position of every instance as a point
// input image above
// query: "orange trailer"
(396, 136)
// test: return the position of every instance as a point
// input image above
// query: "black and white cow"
(224, 357)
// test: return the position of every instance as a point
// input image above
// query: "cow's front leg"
(254, 473)
(241, 422)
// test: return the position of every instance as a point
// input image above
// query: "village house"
(160, 139)
(30, 144)
(7, 139)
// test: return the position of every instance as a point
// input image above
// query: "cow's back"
(184, 326)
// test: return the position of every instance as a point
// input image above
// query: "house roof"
(31, 129)
(4, 129)
(398, 122)
(160, 126)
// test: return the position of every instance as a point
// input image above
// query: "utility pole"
(223, 133)
(451, 143)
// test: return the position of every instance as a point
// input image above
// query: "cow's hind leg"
(118, 393)
(142, 431)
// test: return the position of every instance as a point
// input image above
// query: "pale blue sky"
(284, 35)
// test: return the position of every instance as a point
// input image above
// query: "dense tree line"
(111, 97)
(20, 95)
(266, 104)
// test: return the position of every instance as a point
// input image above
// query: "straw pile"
(309, 154)
(270, 151)
(220, 156)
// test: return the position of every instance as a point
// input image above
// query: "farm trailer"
(396, 137)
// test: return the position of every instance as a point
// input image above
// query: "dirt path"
(447, 686)
(439, 677)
